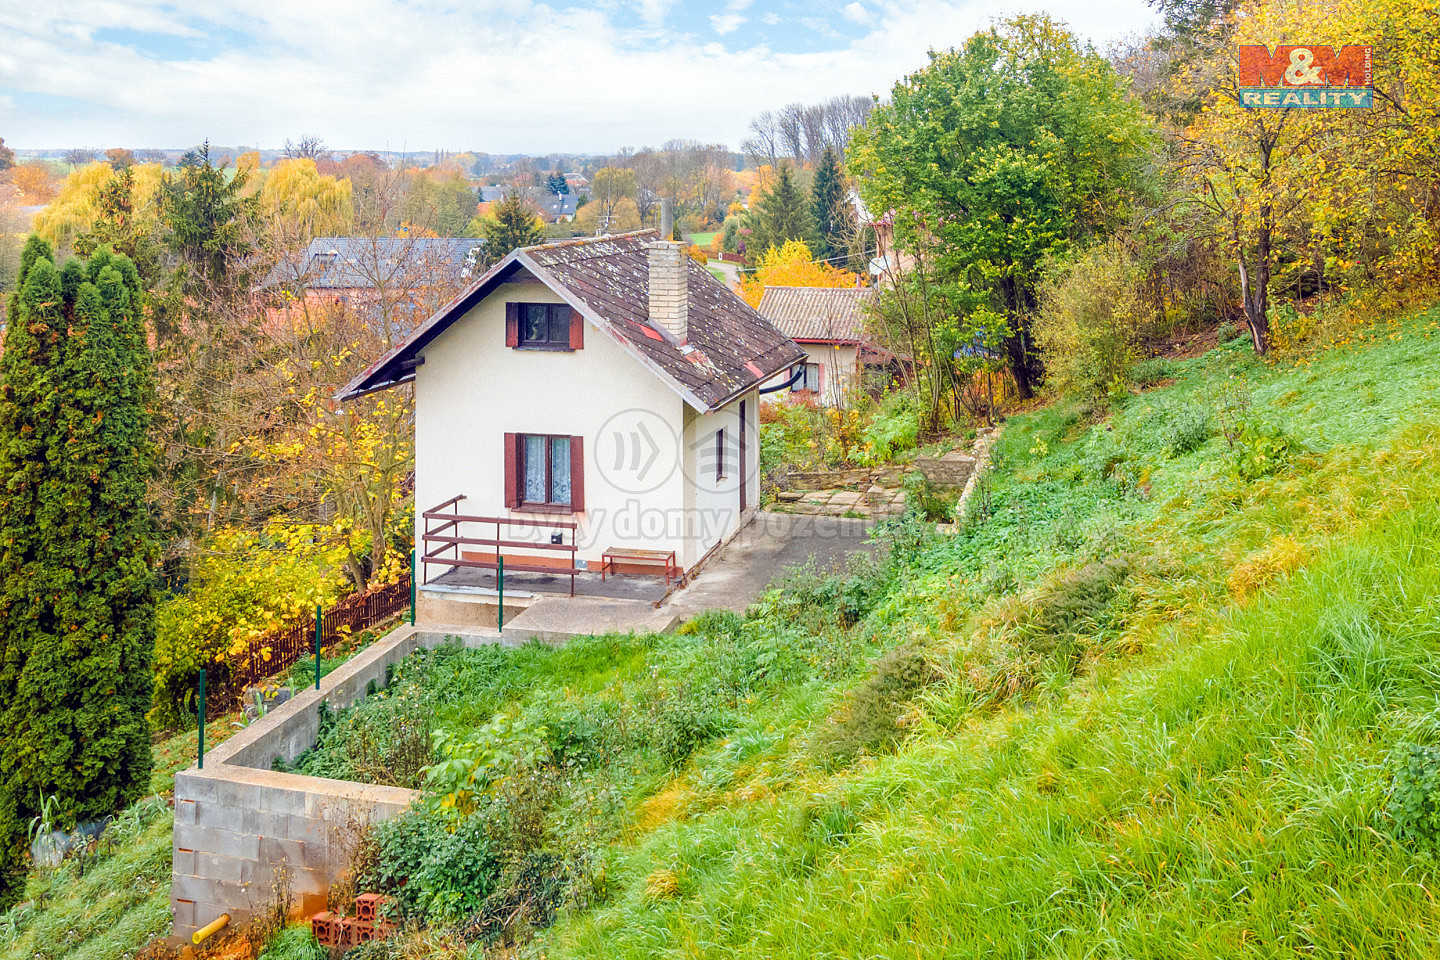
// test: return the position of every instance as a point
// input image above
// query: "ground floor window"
(810, 382)
(543, 471)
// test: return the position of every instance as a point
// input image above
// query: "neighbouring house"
(555, 207)
(373, 274)
(829, 325)
(550, 207)
(584, 398)
(888, 263)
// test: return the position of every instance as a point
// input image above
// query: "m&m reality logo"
(1306, 77)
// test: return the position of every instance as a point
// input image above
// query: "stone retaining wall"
(239, 825)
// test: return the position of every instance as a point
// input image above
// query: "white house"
(582, 399)
(829, 325)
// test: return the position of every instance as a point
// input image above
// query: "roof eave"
(363, 383)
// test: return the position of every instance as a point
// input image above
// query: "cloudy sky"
(494, 75)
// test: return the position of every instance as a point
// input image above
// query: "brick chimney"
(669, 292)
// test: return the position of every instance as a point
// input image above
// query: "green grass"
(118, 900)
(107, 911)
(1139, 708)
(702, 240)
(1202, 773)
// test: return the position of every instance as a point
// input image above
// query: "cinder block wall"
(239, 825)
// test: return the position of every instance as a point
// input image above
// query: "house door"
(744, 463)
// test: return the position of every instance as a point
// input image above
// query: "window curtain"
(559, 469)
(535, 470)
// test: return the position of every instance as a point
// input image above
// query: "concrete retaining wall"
(239, 825)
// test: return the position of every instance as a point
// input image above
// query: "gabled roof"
(729, 349)
(349, 263)
(555, 204)
(829, 314)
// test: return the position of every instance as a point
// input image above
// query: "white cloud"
(654, 12)
(857, 13)
(724, 23)
(496, 75)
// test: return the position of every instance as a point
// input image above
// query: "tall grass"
(1209, 781)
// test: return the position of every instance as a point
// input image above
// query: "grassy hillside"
(110, 903)
(1169, 708)
(1149, 702)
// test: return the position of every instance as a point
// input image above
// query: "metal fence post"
(500, 582)
(319, 627)
(413, 554)
(202, 718)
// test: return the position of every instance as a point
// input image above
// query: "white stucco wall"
(713, 507)
(471, 390)
(839, 375)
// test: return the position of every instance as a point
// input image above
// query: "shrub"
(243, 587)
(1076, 602)
(868, 720)
(436, 874)
(1413, 805)
(1147, 373)
(1259, 449)
(1289, 328)
(385, 740)
(1189, 431)
(680, 721)
(895, 428)
(1089, 319)
(929, 502)
(531, 891)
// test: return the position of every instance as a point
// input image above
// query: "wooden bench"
(640, 558)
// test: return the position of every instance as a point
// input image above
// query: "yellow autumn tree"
(76, 206)
(1345, 189)
(305, 203)
(792, 265)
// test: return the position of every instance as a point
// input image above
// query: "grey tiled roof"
(729, 348)
(349, 263)
(818, 313)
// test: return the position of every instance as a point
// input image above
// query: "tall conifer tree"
(77, 548)
(781, 214)
(828, 207)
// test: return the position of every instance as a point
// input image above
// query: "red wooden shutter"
(577, 330)
(512, 469)
(512, 324)
(577, 473)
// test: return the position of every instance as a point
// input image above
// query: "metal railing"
(444, 534)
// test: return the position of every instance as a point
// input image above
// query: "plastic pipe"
(210, 929)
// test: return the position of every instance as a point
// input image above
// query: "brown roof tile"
(729, 348)
(818, 313)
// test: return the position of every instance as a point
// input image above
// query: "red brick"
(322, 925)
(365, 906)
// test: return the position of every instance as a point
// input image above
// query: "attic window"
(543, 326)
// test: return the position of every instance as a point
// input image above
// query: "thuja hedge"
(77, 548)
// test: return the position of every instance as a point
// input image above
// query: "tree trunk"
(1255, 290)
